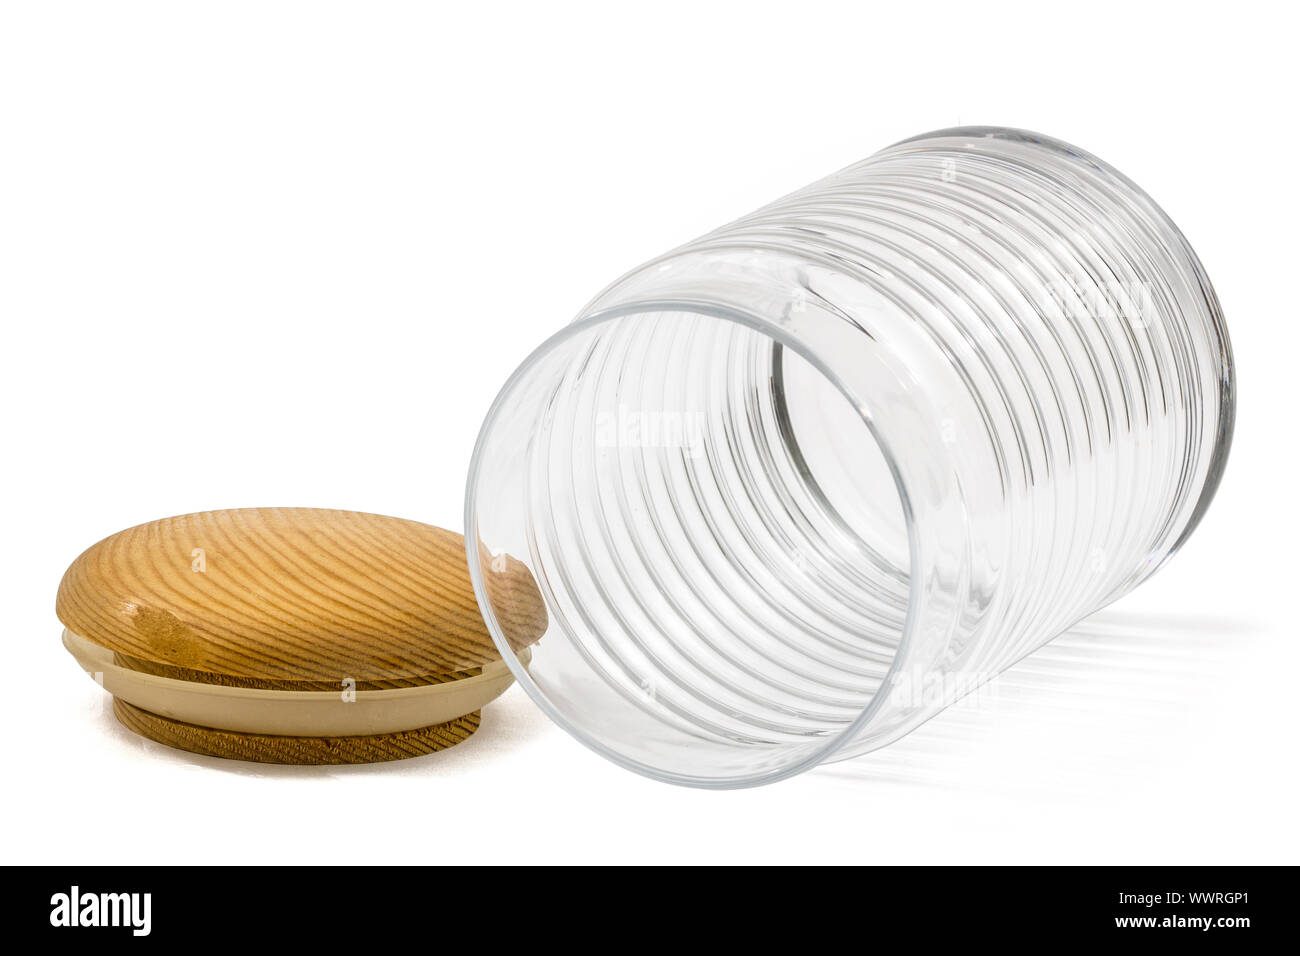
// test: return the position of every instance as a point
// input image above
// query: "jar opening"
(719, 538)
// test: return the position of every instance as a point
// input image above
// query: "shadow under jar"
(794, 487)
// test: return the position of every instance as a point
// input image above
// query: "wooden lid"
(292, 598)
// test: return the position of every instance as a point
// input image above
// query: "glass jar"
(792, 488)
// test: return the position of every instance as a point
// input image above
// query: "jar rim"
(810, 755)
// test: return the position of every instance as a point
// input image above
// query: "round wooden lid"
(292, 598)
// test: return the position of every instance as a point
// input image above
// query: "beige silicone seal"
(307, 713)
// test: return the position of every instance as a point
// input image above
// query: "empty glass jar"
(790, 489)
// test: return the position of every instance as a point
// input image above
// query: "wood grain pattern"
(267, 748)
(293, 598)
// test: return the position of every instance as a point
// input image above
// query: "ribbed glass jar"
(793, 487)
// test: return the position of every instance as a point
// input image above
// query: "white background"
(284, 254)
